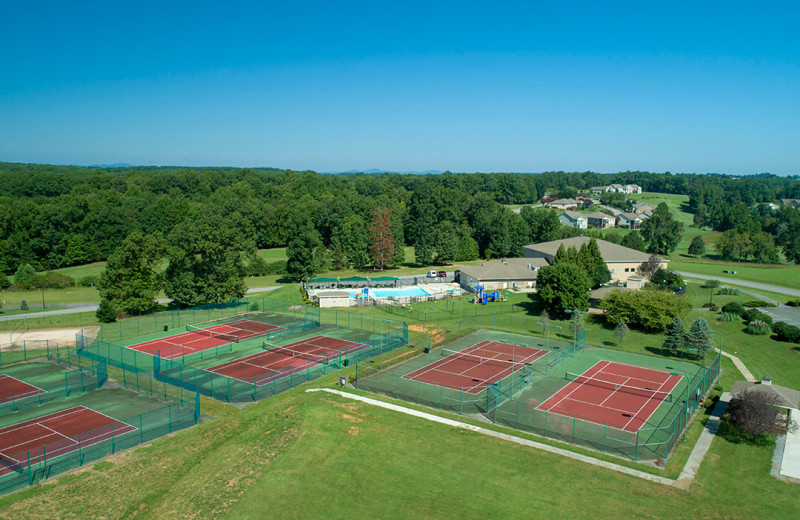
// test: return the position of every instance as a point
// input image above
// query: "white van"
(433, 274)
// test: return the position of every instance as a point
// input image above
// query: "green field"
(302, 455)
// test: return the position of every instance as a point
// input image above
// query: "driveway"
(790, 315)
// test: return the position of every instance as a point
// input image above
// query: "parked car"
(432, 274)
(442, 274)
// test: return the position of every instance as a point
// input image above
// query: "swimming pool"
(388, 292)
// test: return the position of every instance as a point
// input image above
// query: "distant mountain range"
(376, 171)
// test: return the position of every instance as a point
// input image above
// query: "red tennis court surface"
(476, 367)
(12, 388)
(54, 435)
(271, 365)
(622, 396)
(194, 341)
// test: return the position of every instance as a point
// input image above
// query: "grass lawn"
(301, 455)
(784, 275)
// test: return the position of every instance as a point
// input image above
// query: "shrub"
(758, 328)
(758, 303)
(89, 281)
(786, 332)
(728, 316)
(793, 303)
(729, 291)
(23, 305)
(5, 283)
(733, 308)
(53, 280)
(106, 312)
(711, 284)
(755, 314)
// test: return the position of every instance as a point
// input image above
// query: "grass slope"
(304, 455)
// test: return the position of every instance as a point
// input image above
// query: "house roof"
(785, 397)
(611, 252)
(568, 202)
(618, 186)
(598, 188)
(598, 215)
(574, 215)
(508, 269)
(333, 294)
(630, 217)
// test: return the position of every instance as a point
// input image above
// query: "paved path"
(742, 368)
(703, 444)
(790, 465)
(743, 283)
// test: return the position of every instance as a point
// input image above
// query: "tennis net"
(317, 358)
(505, 362)
(231, 338)
(650, 393)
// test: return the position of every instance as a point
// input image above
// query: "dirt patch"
(39, 337)
(351, 418)
(417, 328)
(353, 430)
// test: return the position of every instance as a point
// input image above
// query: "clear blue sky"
(485, 86)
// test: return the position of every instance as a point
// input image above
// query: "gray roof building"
(784, 397)
(611, 252)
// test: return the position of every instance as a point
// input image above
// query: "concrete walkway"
(687, 475)
(740, 366)
(703, 444)
(790, 465)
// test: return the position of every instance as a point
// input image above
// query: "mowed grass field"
(302, 455)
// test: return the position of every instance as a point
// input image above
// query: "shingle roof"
(509, 269)
(574, 215)
(569, 202)
(598, 215)
(611, 252)
(783, 396)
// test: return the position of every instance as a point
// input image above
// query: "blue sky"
(408, 86)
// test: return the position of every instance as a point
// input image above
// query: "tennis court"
(281, 361)
(197, 339)
(476, 367)
(12, 388)
(614, 394)
(55, 435)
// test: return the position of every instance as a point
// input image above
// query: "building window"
(613, 270)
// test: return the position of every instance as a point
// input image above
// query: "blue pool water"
(389, 291)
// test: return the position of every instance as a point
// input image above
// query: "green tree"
(698, 246)
(592, 261)
(674, 335)
(576, 323)
(467, 248)
(446, 242)
(131, 281)
(5, 283)
(300, 252)
(563, 286)
(23, 305)
(207, 260)
(700, 335)
(621, 331)
(106, 312)
(661, 232)
(650, 309)
(24, 276)
(543, 224)
(634, 240)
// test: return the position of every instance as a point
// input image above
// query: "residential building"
(573, 219)
(621, 261)
(601, 220)
(791, 202)
(564, 204)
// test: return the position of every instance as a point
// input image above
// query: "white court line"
(646, 402)
(573, 390)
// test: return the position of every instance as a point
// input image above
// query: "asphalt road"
(76, 308)
(754, 285)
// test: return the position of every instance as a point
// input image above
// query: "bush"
(106, 312)
(89, 281)
(793, 303)
(729, 291)
(758, 303)
(786, 332)
(728, 316)
(733, 308)
(711, 284)
(23, 305)
(5, 283)
(758, 328)
(755, 314)
(711, 306)
(53, 280)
